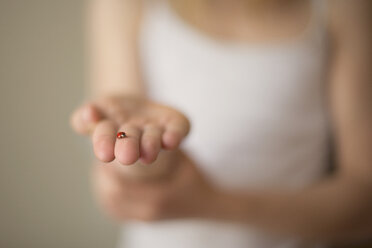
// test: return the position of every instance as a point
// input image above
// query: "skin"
(335, 209)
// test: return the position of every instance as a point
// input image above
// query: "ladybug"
(121, 135)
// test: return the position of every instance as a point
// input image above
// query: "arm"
(119, 102)
(339, 207)
(113, 48)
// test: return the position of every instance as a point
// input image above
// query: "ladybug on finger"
(121, 135)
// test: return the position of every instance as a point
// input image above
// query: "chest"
(289, 81)
(247, 105)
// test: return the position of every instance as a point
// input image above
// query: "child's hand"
(148, 126)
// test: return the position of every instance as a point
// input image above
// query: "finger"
(104, 137)
(175, 130)
(127, 149)
(150, 143)
(84, 119)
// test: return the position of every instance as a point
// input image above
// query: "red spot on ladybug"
(121, 135)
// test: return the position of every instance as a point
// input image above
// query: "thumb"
(85, 118)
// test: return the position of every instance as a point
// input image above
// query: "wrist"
(228, 206)
(217, 205)
(117, 90)
(119, 95)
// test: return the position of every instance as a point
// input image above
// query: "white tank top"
(258, 115)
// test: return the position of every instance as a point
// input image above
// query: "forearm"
(332, 210)
(113, 61)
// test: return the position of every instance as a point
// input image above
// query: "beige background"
(45, 198)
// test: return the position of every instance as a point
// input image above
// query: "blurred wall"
(45, 197)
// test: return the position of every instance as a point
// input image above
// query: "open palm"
(148, 127)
